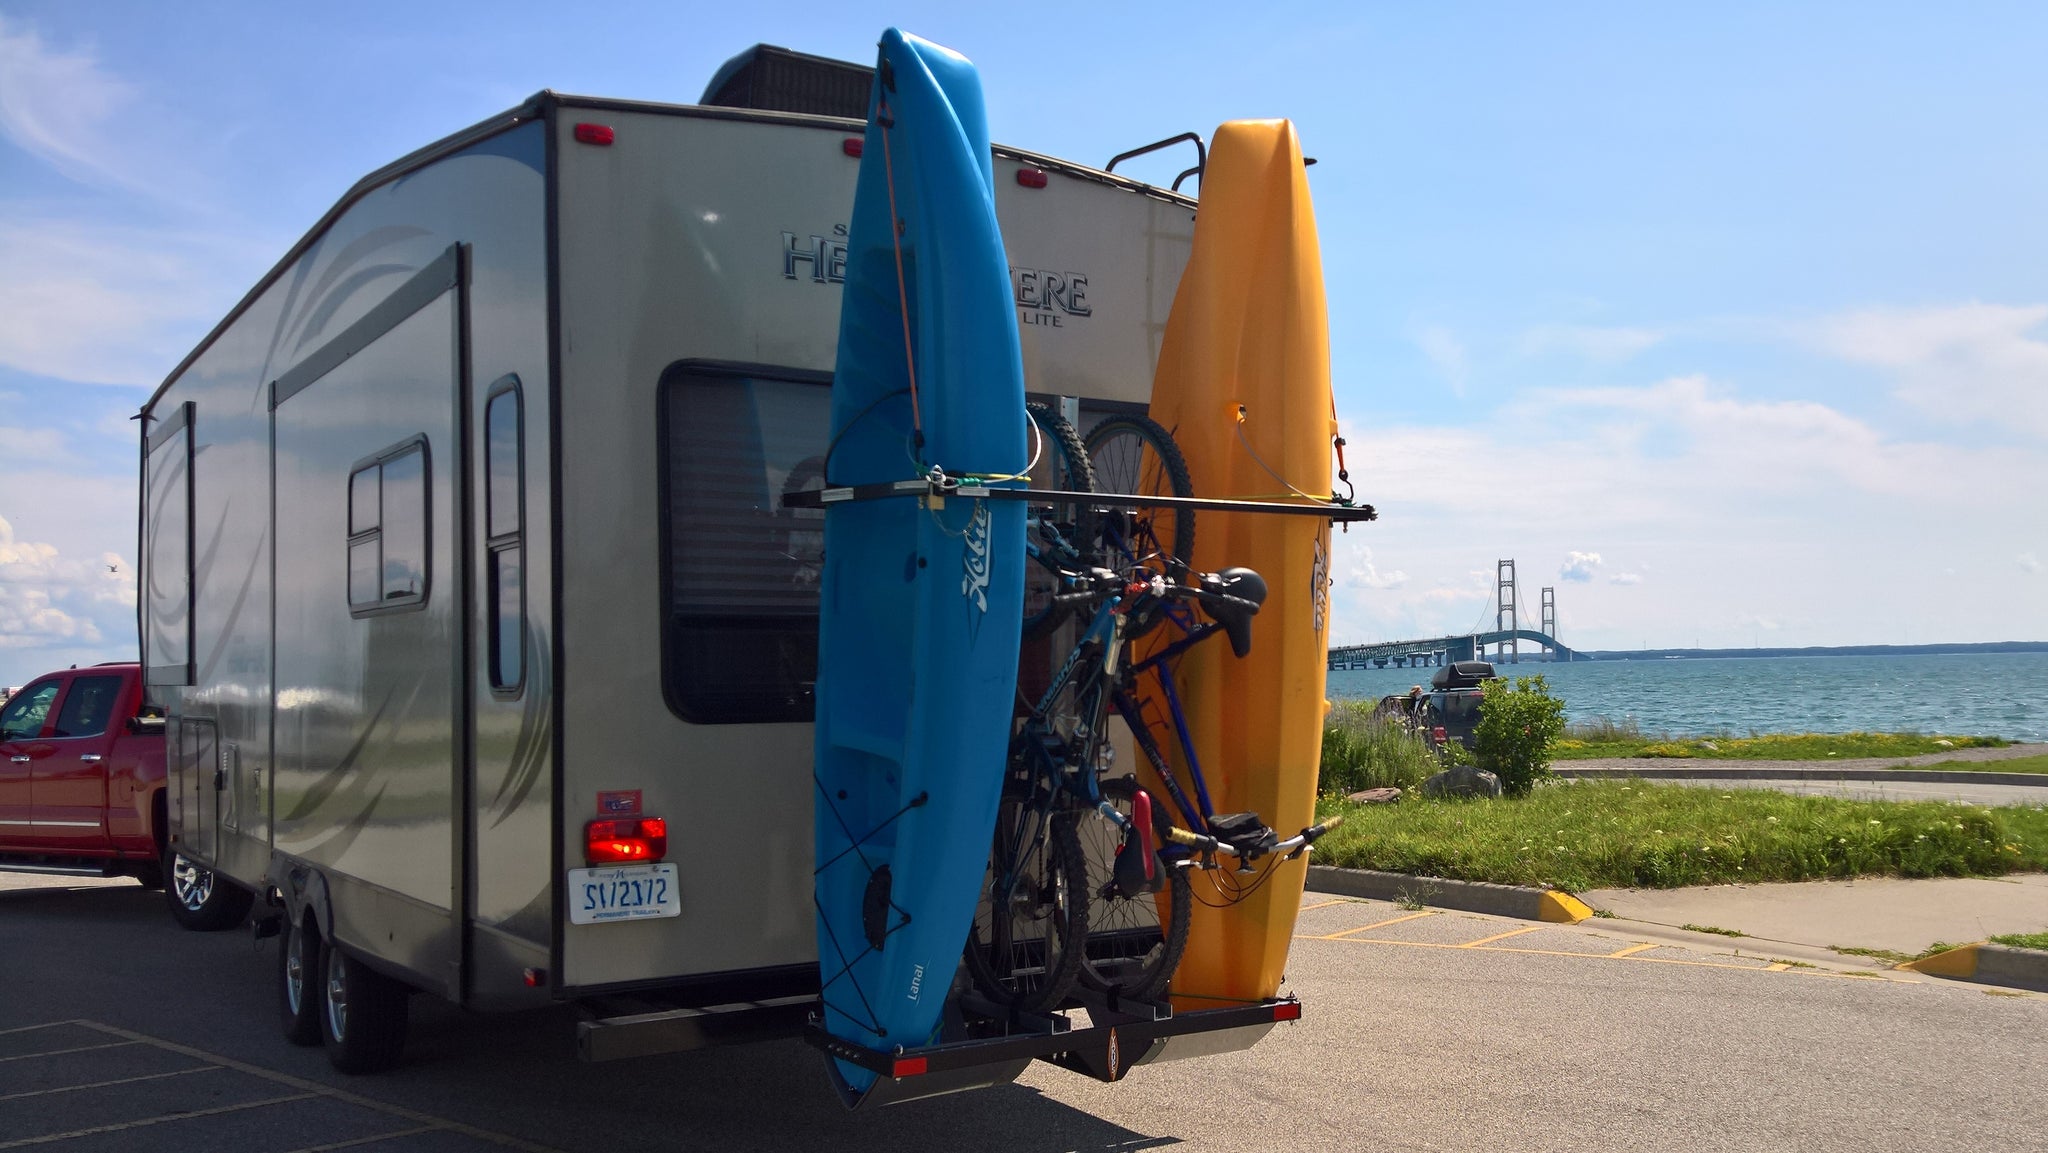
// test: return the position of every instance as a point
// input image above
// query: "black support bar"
(826, 497)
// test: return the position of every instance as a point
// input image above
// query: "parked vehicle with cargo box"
(487, 644)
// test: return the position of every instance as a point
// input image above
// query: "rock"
(1375, 797)
(1462, 781)
(1710, 746)
(1946, 743)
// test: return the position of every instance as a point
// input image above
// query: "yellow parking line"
(104, 1084)
(1499, 937)
(1604, 957)
(123, 1126)
(1776, 967)
(1634, 949)
(1376, 925)
(61, 1052)
(1324, 905)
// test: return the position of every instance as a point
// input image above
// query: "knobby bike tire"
(1035, 969)
(1135, 455)
(1133, 944)
(1063, 465)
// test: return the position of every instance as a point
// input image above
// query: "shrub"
(1517, 725)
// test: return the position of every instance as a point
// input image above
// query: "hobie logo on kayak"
(975, 560)
(1047, 298)
(1319, 576)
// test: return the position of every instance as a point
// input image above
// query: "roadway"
(1422, 1031)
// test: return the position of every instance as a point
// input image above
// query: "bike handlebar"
(1292, 847)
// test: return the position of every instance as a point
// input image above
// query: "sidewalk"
(1903, 916)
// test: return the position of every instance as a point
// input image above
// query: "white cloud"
(1579, 566)
(1960, 363)
(58, 105)
(1446, 354)
(1625, 578)
(1364, 574)
(47, 599)
(41, 445)
(1589, 342)
(2029, 562)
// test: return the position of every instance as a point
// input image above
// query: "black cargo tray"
(1108, 1047)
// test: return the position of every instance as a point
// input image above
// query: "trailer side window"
(740, 629)
(387, 524)
(504, 545)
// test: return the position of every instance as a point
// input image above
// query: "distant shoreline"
(1977, 649)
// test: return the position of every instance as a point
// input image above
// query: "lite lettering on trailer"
(1046, 298)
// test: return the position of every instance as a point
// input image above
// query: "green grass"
(1604, 739)
(1361, 752)
(1620, 834)
(2023, 940)
(1717, 931)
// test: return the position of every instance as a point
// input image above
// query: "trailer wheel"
(362, 1014)
(299, 983)
(201, 899)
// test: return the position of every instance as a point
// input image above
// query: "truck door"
(68, 787)
(22, 724)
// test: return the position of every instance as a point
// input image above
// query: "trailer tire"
(299, 982)
(200, 898)
(362, 1014)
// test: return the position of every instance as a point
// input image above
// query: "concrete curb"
(1470, 896)
(1988, 964)
(1710, 772)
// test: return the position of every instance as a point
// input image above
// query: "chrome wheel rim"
(295, 969)
(191, 884)
(337, 998)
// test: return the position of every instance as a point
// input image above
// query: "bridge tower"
(1550, 617)
(1509, 647)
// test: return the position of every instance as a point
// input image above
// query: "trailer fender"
(302, 887)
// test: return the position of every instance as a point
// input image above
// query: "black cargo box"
(1462, 675)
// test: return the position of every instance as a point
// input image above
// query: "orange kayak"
(1244, 384)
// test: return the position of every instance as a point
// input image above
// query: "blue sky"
(1731, 323)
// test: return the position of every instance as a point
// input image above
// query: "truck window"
(504, 530)
(26, 711)
(387, 523)
(740, 634)
(88, 706)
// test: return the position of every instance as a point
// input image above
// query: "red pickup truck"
(82, 790)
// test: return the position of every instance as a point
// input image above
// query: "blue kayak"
(922, 601)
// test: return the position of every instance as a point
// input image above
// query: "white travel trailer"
(463, 531)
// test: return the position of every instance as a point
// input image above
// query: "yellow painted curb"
(1555, 906)
(1959, 963)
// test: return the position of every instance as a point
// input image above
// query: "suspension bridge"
(1505, 637)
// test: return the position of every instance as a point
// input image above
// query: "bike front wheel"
(1025, 948)
(1133, 943)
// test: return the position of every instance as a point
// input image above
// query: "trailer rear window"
(740, 629)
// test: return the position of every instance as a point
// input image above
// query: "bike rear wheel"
(1063, 533)
(1027, 960)
(1134, 943)
(1136, 455)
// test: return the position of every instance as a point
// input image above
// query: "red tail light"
(1287, 1011)
(1031, 177)
(630, 841)
(908, 1066)
(594, 134)
(852, 145)
(1438, 734)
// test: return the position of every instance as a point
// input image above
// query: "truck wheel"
(362, 1014)
(202, 900)
(298, 984)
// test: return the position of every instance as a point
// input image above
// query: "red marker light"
(852, 145)
(1287, 1011)
(535, 978)
(594, 134)
(631, 841)
(1031, 177)
(907, 1066)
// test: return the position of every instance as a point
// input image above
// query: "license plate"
(623, 893)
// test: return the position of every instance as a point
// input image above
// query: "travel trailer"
(466, 568)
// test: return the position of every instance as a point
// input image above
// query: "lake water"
(2001, 694)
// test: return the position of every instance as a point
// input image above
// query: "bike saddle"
(1247, 591)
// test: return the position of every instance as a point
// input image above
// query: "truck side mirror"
(150, 719)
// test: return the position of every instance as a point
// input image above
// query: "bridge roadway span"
(1438, 650)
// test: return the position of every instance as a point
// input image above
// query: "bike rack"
(1110, 1045)
(1340, 512)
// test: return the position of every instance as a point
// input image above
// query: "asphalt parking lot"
(1422, 1030)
